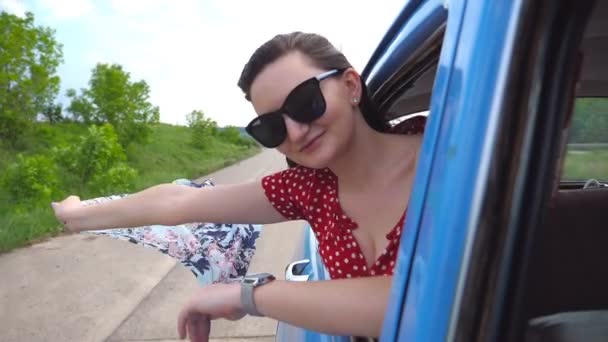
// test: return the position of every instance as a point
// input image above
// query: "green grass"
(169, 156)
(20, 227)
(586, 164)
(166, 157)
(40, 139)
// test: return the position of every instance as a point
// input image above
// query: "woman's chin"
(317, 160)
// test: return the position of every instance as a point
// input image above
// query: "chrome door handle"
(295, 270)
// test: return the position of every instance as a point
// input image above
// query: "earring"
(355, 101)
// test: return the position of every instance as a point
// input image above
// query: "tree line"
(116, 110)
(29, 85)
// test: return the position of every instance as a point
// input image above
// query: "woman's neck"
(375, 155)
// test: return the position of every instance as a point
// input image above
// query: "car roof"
(405, 60)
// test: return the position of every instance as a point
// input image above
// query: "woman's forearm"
(340, 307)
(155, 205)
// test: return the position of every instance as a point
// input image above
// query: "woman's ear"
(353, 85)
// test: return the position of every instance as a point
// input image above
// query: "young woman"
(350, 180)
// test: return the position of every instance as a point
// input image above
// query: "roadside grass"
(168, 156)
(585, 164)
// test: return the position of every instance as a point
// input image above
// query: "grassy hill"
(168, 156)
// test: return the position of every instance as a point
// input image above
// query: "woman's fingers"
(193, 325)
(63, 208)
(182, 320)
(210, 302)
(198, 327)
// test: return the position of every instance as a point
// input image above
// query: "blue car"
(506, 237)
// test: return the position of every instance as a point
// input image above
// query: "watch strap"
(247, 300)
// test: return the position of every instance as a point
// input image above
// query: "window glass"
(587, 150)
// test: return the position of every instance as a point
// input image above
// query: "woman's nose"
(296, 131)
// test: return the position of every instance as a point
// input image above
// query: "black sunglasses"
(305, 104)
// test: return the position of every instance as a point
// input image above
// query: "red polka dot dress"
(312, 195)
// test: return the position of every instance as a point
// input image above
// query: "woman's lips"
(310, 144)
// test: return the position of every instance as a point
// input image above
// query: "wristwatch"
(248, 283)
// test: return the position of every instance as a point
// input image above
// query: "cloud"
(67, 9)
(15, 7)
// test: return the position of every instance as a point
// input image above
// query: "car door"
(502, 95)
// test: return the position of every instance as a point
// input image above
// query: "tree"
(97, 160)
(29, 57)
(52, 113)
(80, 107)
(113, 98)
(203, 128)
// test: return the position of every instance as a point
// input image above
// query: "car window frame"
(443, 315)
(548, 38)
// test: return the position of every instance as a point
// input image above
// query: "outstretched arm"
(351, 307)
(171, 204)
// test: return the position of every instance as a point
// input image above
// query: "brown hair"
(321, 52)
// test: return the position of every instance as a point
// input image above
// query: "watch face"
(250, 281)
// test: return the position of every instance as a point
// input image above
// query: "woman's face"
(319, 143)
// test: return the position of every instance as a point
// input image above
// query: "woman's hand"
(64, 208)
(210, 302)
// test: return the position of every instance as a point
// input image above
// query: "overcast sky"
(191, 52)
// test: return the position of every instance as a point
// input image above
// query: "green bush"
(232, 135)
(31, 179)
(97, 160)
(203, 129)
(202, 138)
(119, 178)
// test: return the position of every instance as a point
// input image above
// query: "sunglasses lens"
(269, 129)
(306, 103)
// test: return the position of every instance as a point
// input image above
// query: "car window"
(587, 150)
